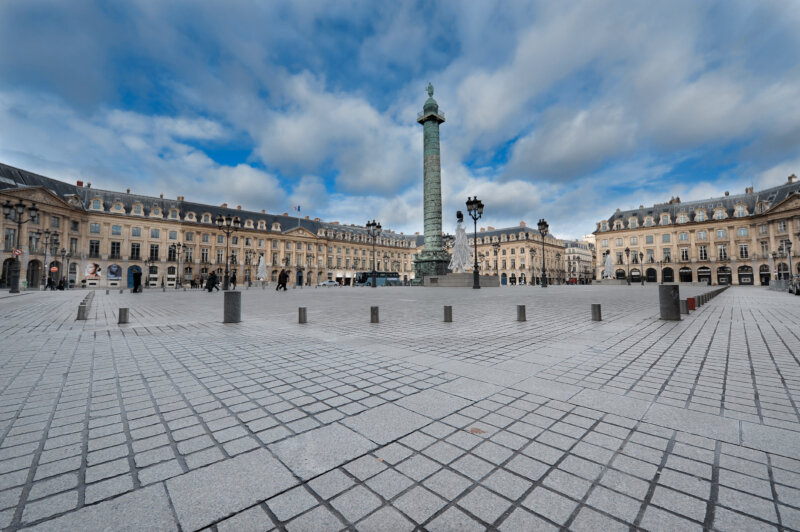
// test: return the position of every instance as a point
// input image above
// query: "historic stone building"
(742, 239)
(579, 261)
(101, 237)
(515, 255)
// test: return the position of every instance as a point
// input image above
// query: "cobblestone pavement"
(177, 421)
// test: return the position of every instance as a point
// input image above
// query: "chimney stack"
(80, 183)
(161, 195)
(88, 184)
(238, 207)
(127, 191)
(180, 198)
(224, 205)
(791, 179)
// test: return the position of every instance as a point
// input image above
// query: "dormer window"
(617, 225)
(700, 216)
(173, 214)
(190, 216)
(682, 218)
(719, 214)
(206, 218)
(741, 211)
(97, 204)
(648, 222)
(276, 226)
(137, 209)
(633, 223)
(262, 224)
(156, 211)
(118, 206)
(665, 219)
(604, 226)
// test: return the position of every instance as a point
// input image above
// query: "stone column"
(433, 260)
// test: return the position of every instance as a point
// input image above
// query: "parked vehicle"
(328, 283)
(794, 284)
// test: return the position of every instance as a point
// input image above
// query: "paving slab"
(206, 495)
(386, 423)
(320, 450)
(434, 403)
(144, 509)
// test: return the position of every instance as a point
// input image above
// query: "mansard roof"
(750, 200)
(11, 177)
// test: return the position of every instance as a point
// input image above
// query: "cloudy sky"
(561, 110)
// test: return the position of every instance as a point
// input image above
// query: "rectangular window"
(722, 233)
(330, 262)
(619, 242)
(684, 237)
(136, 231)
(764, 249)
(115, 254)
(173, 235)
(742, 231)
(235, 241)
(73, 245)
(137, 209)
(684, 254)
(665, 238)
(204, 255)
(513, 262)
(275, 244)
(605, 242)
(744, 251)
(782, 226)
(189, 237)
(648, 239)
(220, 239)
(762, 229)
(94, 228)
(702, 235)
(338, 262)
(634, 241)
(261, 242)
(667, 255)
(310, 247)
(74, 226)
(289, 246)
(154, 233)
(116, 230)
(619, 257)
(504, 264)
(274, 259)
(154, 251)
(702, 252)
(189, 254)
(248, 241)
(94, 248)
(136, 251)
(96, 204)
(220, 256)
(722, 252)
(205, 239)
(171, 253)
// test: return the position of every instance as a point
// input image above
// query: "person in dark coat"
(137, 282)
(211, 282)
(283, 277)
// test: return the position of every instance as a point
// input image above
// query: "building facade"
(743, 239)
(101, 238)
(579, 261)
(515, 255)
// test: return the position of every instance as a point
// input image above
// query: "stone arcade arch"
(704, 274)
(745, 275)
(763, 274)
(651, 276)
(685, 275)
(667, 275)
(724, 276)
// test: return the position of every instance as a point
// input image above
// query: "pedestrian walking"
(211, 282)
(282, 279)
(233, 282)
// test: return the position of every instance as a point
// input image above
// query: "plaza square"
(177, 421)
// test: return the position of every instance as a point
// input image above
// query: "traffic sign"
(17, 252)
(54, 269)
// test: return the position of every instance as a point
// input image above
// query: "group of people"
(51, 284)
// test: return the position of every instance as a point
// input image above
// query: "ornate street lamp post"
(14, 213)
(641, 266)
(177, 248)
(558, 268)
(47, 246)
(68, 256)
(533, 272)
(66, 279)
(373, 230)
(475, 210)
(227, 224)
(628, 261)
(543, 229)
(496, 248)
(775, 262)
(148, 263)
(788, 248)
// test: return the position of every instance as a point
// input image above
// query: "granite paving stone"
(557, 421)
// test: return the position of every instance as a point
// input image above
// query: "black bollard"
(373, 315)
(233, 307)
(596, 312)
(301, 315)
(521, 313)
(448, 314)
(123, 316)
(669, 302)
